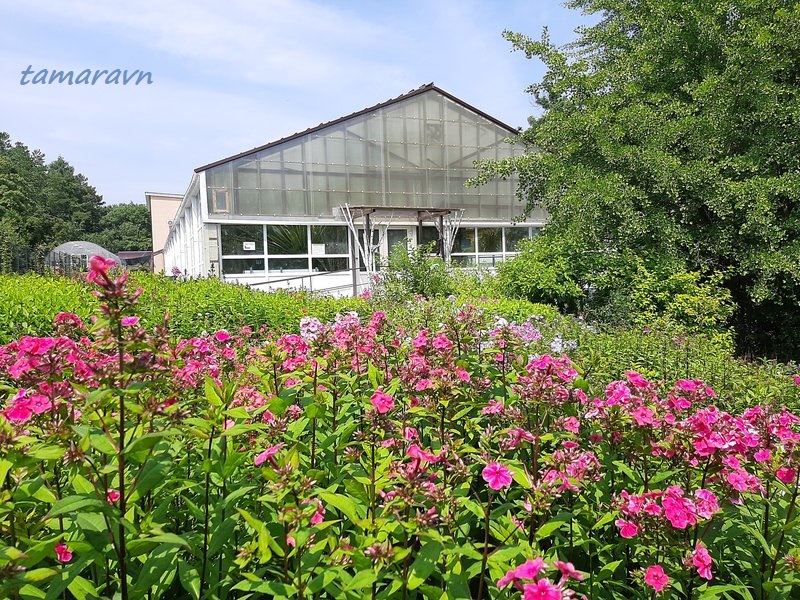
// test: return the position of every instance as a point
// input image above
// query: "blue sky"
(229, 76)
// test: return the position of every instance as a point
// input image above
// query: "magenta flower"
(98, 267)
(497, 476)
(541, 590)
(701, 559)
(268, 454)
(656, 578)
(382, 402)
(418, 453)
(786, 475)
(63, 553)
(762, 455)
(568, 570)
(495, 407)
(527, 570)
(112, 496)
(222, 336)
(627, 529)
(129, 321)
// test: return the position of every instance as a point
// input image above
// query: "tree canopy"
(45, 204)
(672, 129)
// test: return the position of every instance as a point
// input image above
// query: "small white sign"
(248, 245)
(317, 249)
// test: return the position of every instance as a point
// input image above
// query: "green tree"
(43, 204)
(670, 128)
(124, 227)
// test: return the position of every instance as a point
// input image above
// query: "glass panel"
(248, 202)
(329, 264)
(332, 238)
(271, 178)
(295, 202)
(356, 152)
(429, 234)
(514, 235)
(219, 176)
(465, 240)
(335, 148)
(463, 261)
(240, 266)
(287, 239)
(293, 153)
(271, 202)
(489, 261)
(279, 265)
(246, 175)
(243, 239)
(396, 236)
(490, 240)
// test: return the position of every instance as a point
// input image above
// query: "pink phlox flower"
(462, 374)
(494, 407)
(63, 553)
(129, 321)
(269, 454)
(98, 267)
(762, 455)
(382, 402)
(617, 392)
(643, 416)
(679, 511)
(542, 589)
(701, 559)
(636, 380)
(706, 503)
(418, 453)
(572, 425)
(568, 570)
(527, 570)
(222, 336)
(423, 384)
(498, 476)
(656, 578)
(627, 529)
(786, 475)
(441, 342)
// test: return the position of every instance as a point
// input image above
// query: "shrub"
(414, 273)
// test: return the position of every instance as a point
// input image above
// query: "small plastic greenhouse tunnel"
(74, 256)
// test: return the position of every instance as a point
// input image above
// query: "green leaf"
(75, 503)
(424, 563)
(608, 569)
(82, 589)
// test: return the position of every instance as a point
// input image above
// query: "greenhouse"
(276, 215)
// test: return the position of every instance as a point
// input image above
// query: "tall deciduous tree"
(672, 128)
(124, 227)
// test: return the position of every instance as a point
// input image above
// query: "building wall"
(163, 208)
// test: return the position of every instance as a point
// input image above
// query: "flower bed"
(357, 459)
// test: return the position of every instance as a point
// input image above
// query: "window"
(329, 239)
(238, 240)
(514, 235)
(242, 266)
(221, 201)
(287, 239)
(490, 240)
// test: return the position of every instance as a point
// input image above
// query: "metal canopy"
(419, 214)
